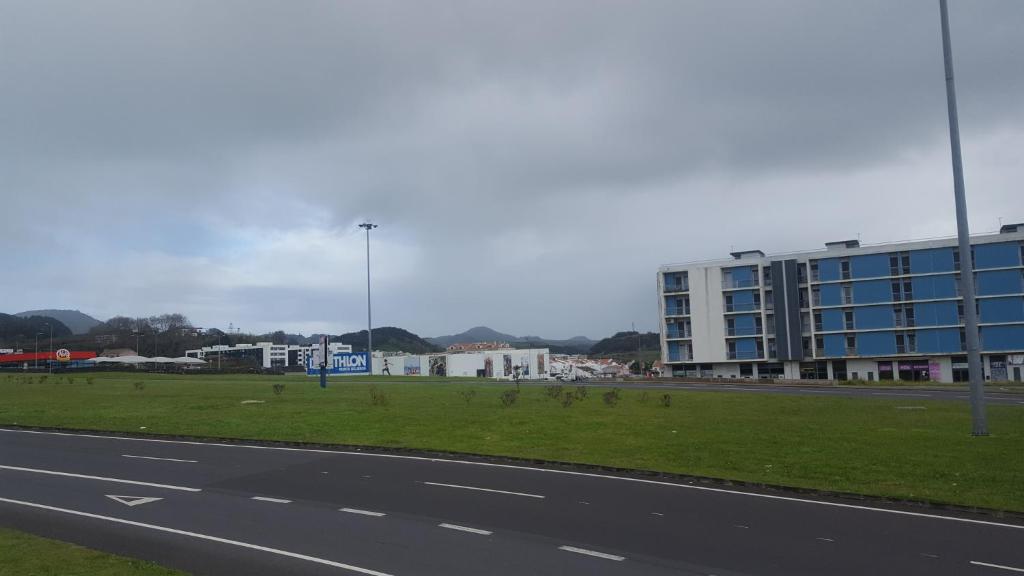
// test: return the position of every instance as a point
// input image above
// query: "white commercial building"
(531, 364)
(262, 354)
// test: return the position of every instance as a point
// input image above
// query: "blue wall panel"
(1002, 338)
(746, 348)
(872, 291)
(934, 260)
(876, 343)
(936, 314)
(938, 340)
(1002, 309)
(999, 282)
(741, 275)
(744, 322)
(869, 266)
(929, 287)
(742, 297)
(997, 255)
(832, 319)
(835, 345)
(831, 295)
(870, 317)
(828, 269)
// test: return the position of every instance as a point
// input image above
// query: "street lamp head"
(367, 226)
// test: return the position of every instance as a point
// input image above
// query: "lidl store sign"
(341, 363)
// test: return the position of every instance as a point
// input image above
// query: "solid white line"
(592, 553)
(465, 529)
(484, 489)
(155, 458)
(533, 469)
(363, 512)
(101, 478)
(275, 500)
(999, 566)
(201, 537)
(900, 394)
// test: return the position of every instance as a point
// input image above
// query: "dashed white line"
(656, 514)
(592, 553)
(466, 529)
(100, 478)
(532, 469)
(825, 539)
(477, 488)
(155, 458)
(207, 537)
(997, 566)
(269, 499)
(363, 512)
(743, 526)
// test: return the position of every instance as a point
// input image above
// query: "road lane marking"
(657, 514)
(133, 500)
(484, 489)
(100, 478)
(217, 539)
(269, 499)
(533, 469)
(900, 394)
(155, 458)
(466, 529)
(363, 512)
(592, 553)
(741, 526)
(997, 566)
(825, 539)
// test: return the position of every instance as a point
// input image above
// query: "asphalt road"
(250, 509)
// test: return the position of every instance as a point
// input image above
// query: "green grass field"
(909, 448)
(23, 554)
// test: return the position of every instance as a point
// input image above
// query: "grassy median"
(912, 448)
(23, 554)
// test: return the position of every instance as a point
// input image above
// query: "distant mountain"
(22, 331)
(389, 339)
(574, 345)
(78, 322)
(626, 342)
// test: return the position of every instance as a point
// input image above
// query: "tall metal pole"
(35, 364)
(974, 368)
(49, 361)
(369, 317)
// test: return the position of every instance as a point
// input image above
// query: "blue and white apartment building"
(882, 312)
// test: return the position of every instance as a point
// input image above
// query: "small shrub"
(644, 397)
(467, 395)
(553, 391)
(666, 400)
(71, 380)
(581, 393)
(278, 388)
(378, 398)
(139, 385)
(43, 378)
(89, 380)
(567, 399)
(509, 397)
(611, 398)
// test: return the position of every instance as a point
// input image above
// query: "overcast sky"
(530, 164)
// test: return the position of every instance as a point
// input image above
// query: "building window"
(960, 371)
(844, 269)
(847, 294)
(848, 319)
(801, 273)
(851, 344)
(839, 369)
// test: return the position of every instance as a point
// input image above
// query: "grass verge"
(25, 554)
(908, 449)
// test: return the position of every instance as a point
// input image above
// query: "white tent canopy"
(134, 360)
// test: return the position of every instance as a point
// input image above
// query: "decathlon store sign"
(341, 363)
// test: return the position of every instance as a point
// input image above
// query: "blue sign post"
(340, 363)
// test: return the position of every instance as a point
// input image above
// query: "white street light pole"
(974, 368)
(369, 317)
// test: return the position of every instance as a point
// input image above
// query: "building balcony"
(677, 287)
(677, 311)
(744, 331)
(743, 307)
(677, 333)
(730, 283)
(680, 357)
(744, 354)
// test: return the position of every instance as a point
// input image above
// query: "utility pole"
(979, 426)
(369, 317)
(35, 365)
(49, 361)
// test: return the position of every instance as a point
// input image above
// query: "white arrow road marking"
(133, 500)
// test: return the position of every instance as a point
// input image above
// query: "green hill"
(389, 339)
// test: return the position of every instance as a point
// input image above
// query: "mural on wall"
(524, 366)
(540, 364)
(438, 365)
(412, 366)
(508, 364)
(488, 367)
